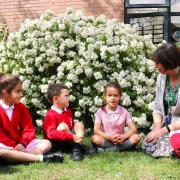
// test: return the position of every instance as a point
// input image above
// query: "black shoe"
(174, 155)
(54, 157)
(76, 154)
(90, 150)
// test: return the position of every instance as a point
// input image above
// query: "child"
(175, 143)
(59, 125)
(110, 121)
(17, 134)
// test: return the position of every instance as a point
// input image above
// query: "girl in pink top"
(110, 121)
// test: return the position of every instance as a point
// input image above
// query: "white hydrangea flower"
(42, 112)
(139, 102)
(39, 122)
(82, 102)
(131, 110)
(41, 68)
(78, 71)
(88, 71)
(150, 105)
(35, 101)
(77, 114)
(29, 70)
(86, 90)
(141, 121)
(98, 101)
(24, 100)
(123, 83)
(126, 101)
(44, 88)
(98, 75)
(26, 84)
(69, 84)
(72, 77)
(72, 98)
(93, 109)
(70, 65)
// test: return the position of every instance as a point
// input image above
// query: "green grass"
(178, 44)
(126, 166)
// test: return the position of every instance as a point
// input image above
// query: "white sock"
(41, 157)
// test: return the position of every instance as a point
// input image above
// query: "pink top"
(113, 122)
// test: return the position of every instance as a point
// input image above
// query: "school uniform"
(61, 140)
(16, 127)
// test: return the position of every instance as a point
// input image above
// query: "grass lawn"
(113, 165)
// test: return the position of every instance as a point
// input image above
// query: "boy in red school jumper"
(17, 133)
(59, 126)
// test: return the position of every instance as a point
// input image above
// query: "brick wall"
(15, 11)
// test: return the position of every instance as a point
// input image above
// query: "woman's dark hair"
(8, 82)
(54, 89)
(113, 85)
(168, 55)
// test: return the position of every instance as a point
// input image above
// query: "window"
(161, 18)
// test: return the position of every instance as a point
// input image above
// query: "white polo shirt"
(58, 110)
(8, 109)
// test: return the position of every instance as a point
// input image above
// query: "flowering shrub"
(4, 32)
(84, 53)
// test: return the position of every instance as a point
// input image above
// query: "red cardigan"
(51, 122)
(19, 130)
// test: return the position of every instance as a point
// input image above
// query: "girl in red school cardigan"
(17, 133)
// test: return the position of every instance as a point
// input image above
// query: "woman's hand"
(153, 135)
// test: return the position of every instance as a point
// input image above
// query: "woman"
(166, 110)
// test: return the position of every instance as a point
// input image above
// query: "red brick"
(16, 11)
